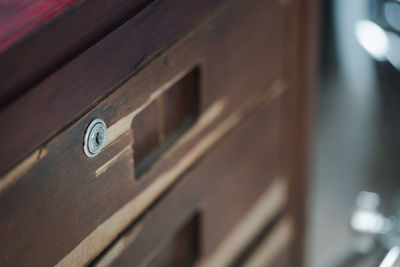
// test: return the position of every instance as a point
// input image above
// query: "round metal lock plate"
(95, 138)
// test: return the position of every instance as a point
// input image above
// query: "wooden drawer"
(74, 88)
(271, 249)
(189, 222)
(57, 196)
(77, 59)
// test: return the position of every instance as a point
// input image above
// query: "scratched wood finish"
(17, 18)
(108, 230)
(220, 196)
(63, 196)
(273, 250)
(82, 74)
(49, 34)
(52, 42)
(161, 123)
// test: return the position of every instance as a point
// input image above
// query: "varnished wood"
(62, 187)
(220, 195)
(241, 73)
(161, 123)
(54, 41)
(301, 51)
(275, 244)
(77, 82)
(103, 234)
(269, 204)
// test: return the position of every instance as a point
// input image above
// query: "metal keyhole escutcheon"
(95, 137)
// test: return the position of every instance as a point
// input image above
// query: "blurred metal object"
(372, 38)
(366, 218)
(391, 259)
(373, 226)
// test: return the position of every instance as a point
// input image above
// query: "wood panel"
(301, 51)
(17, 18)
(219, 195)
(274, 249)
(59, 187)
(49, 44)
(167, 175)
(163, 121)
(54, 101)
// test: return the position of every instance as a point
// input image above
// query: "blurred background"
(353, 215)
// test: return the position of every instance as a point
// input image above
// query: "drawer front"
(77, 82)
(57, 196)
(191, 220)
(274, 250)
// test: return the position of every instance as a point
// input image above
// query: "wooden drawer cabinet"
(209, 199)
(197, 102)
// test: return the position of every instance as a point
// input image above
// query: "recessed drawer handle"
(165, 120)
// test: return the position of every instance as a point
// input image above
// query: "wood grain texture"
(274, 246)
(163, 121)
(179, 249)
(301, 50)
(59, 190)
(48, 34)
(75, 86)
(269, 204)
(104, 233)
(166, 175)
(19, 17)
(220, 195)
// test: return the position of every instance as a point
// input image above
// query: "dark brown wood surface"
(49, 34)
(161, 123)
(62, 197)
(54, 101)
(53, 43)
(301, 51)
(218, 195)
(19, 17)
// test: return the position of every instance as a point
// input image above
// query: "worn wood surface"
(273, 249)
(55, 100)
(162, 122)
(301, 52)
(65, 190)
(263, 212)
(53, 44)
(19, 17)
(220, 196)
(104, 233)
(48, 34)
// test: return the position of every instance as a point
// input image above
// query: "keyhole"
(99, 138)
(95, 137)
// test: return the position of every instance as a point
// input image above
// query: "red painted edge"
(19, 17)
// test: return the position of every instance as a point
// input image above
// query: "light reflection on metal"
(366, 218)
(374, 227)
(372, 38)
(391, 258)
(381, 45)
(393, 53)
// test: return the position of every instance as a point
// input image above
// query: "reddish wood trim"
(19, 17)
(46, 43)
